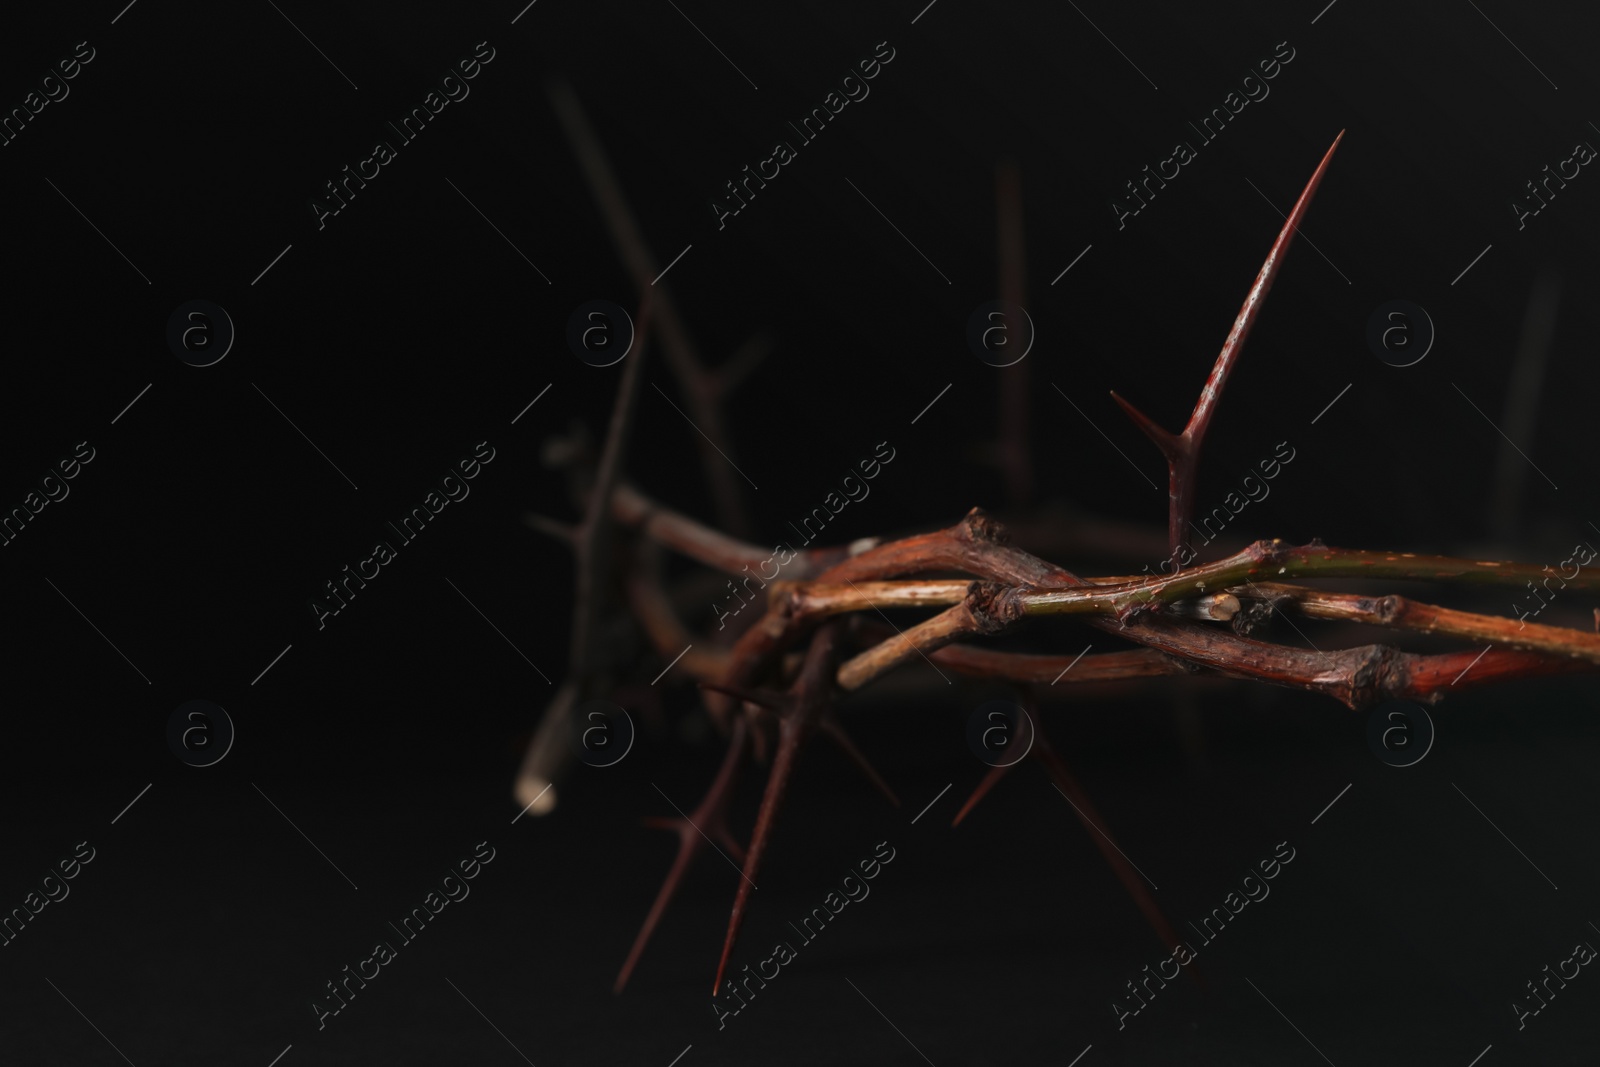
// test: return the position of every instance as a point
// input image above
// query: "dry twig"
(763, 703)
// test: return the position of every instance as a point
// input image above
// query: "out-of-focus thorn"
(558, 453)
(564, 532)
(762, 697)
(1521, 417)
(990, 779)
(836, 732)
(729, 842)
(754, 352)
(1092, 821)
(679, 349)
(1011, 449)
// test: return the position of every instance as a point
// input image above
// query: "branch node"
(1389, 608)
(993, 605)
(978, 527)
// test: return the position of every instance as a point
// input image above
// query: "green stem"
(1273, 560)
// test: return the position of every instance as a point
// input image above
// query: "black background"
(406, 330)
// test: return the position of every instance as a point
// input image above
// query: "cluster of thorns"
(781, 681)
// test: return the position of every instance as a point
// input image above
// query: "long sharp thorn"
(564, 532)
(1183, 472)
(832, 727)
(1131, 880)
(990, 779)
(998, 771)
(729, 842)
(752, 696)
(1183, 450)
(1251, 308)
(812, 692)
(688, 844)
(1168, 443)
(789, 742)
(711, 810)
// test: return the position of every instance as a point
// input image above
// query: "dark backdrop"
(373, 353)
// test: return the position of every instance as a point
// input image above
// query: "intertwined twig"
(818, 638)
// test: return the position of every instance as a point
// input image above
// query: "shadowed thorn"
(710, 813)
(831, 726)
(808, 701)
(990, 779)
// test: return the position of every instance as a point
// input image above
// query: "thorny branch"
(1183, 450)
(591, 543)
(820, 636)
(702, 389)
